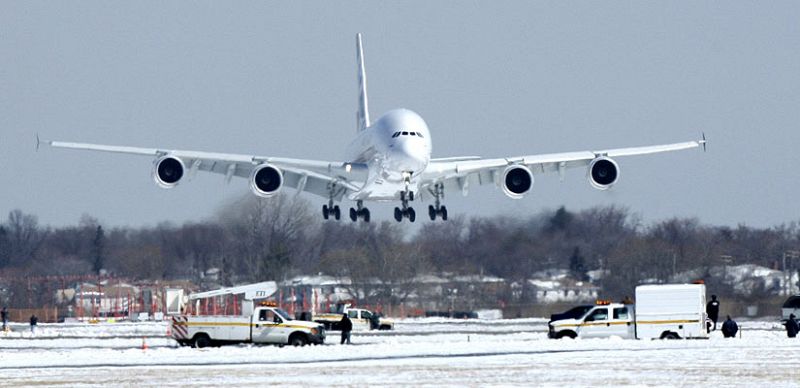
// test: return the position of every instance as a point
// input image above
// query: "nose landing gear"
(406, 211)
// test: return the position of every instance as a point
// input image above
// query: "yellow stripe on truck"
(664, 322)
(238, 324)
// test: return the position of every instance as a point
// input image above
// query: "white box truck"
(665, 311)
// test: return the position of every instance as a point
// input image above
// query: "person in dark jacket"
(729, 328)
(712, 309)
(792, 327)
(347, 326)
(374, 321)
(4, 315)
(34, 322)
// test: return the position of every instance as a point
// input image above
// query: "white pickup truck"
(362, 320)
(267, 325)
(668, 311)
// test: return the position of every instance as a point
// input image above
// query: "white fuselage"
(396, 149)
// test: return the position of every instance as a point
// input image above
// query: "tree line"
(253, 239)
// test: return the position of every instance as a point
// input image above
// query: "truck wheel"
(385, 327)
(298, 340)
(669, 335)
(201, 341)
(562, 334)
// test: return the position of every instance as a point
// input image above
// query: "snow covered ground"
(421, 352)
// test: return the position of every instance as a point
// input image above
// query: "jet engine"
(266, 180)
(167, 171)
(517, 181)
(603, 173)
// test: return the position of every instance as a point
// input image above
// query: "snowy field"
(421, 352)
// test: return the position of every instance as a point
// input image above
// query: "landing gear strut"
(359, 212)
(406, 211)
(438, 208)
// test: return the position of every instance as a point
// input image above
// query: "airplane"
(389, 160)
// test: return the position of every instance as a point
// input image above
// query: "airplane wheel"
(336, 213)
(366, 215)
(398, 215)
(353, 215)
(410, 195)
(325, 212)
(444, 213)
(431, 212)
(412, 215)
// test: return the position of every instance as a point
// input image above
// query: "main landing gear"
(359, 212)
(438, 209)
(330, 210)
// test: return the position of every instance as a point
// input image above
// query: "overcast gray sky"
(490, 78)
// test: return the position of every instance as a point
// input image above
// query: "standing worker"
(729, 328)
(347, 326)
(34, 321)
(792, 327)
(4, 315)
(712, 309)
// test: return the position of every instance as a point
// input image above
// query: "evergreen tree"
(577, 265)
(98, 248)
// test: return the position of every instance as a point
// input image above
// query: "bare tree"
(263, 234)
(24, 237)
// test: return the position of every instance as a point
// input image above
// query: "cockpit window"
(405, 133)
(420, 134)
(413, 133)
(396, 134)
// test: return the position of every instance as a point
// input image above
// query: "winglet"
(703, 142)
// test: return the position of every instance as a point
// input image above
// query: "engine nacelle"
(266, 180)
(603, 173)
(168, 171)
(517, 181)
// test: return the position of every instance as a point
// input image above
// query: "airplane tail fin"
(362, 116)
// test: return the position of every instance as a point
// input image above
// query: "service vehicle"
(362, 319)
(791, 306)
(267, 325)
(259, 323)
(668, 311)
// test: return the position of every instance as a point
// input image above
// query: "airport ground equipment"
(361, 319)
(267, 325)
(664, 311)
(791, 306)
(261, 323)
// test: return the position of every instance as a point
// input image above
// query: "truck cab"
(273, 325)
(605, 319)
(362, 319)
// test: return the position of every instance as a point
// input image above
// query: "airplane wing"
(459, 173)
(327, 179)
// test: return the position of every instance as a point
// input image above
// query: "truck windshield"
(283, 314)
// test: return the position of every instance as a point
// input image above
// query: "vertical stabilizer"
(362, 116)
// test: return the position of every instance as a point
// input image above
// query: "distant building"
(556, 286)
